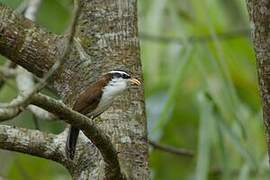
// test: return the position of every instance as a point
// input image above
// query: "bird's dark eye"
(117, 75)
(125, 76)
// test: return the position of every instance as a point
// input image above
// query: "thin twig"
(196, 39)
(24, 99)
(24, 79)
(170, 149)
(13, 108)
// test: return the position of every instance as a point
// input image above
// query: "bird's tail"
(71, 141)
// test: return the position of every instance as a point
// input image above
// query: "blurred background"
(201, 92)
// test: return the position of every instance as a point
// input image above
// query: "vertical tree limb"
(260, 20)
(108, 33)
(110, 37)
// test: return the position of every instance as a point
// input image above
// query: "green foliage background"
(201, 92)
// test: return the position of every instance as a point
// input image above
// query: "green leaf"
(172, 93)
(204, 143)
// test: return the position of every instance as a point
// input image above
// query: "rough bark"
(95, 134)
(108, 33)
(43, 145)
(259, 12)
(25, 43)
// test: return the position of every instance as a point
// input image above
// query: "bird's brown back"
(88, 100)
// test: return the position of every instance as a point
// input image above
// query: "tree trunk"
(108, 33)
(260, 20)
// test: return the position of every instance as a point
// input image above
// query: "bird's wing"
(86, 103)
(88, 100)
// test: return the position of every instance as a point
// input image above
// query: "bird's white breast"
(112, 90)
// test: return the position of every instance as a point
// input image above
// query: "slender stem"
(170, 149)
(196, 39)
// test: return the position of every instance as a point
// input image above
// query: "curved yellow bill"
(135, 81)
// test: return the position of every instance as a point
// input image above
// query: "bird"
(96, 99)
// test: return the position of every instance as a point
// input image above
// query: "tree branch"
(24, 79)
(26, 44)
(9, 113)
(102, 142)
(170, 149)
(24, 99)
(112, 43)
(10, 110)
(260, 19)
(99, 138)
(34, 142)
